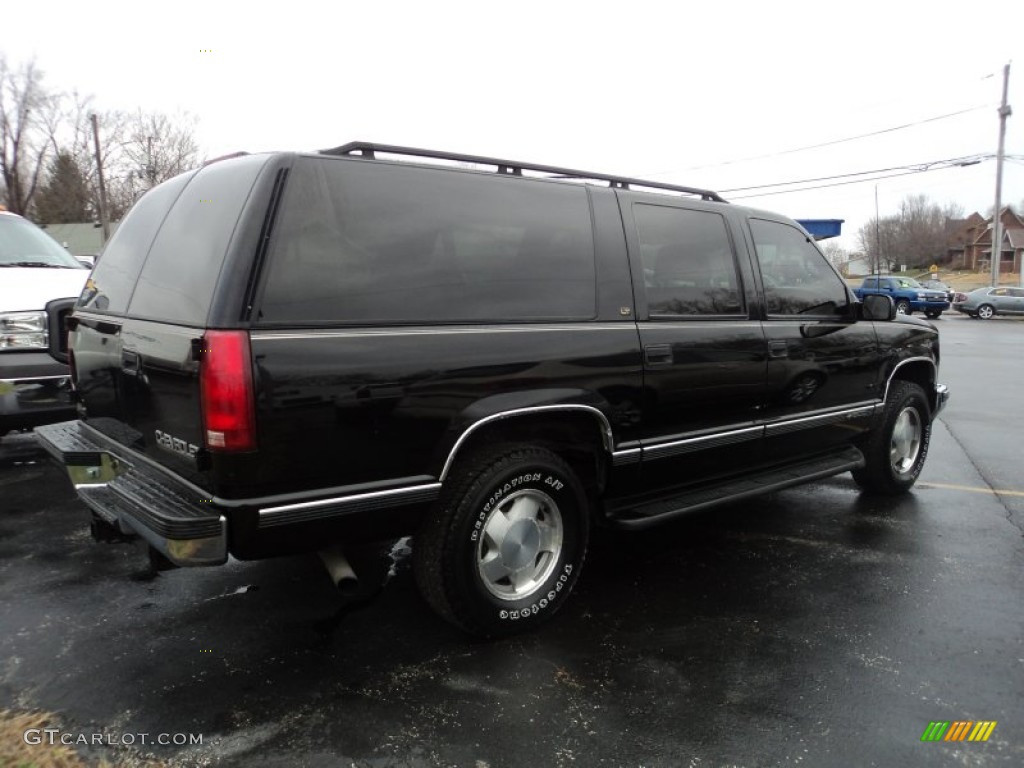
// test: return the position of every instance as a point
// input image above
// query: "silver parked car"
(986, 302)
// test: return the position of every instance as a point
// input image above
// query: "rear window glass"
(181, 272)
(117, 270)
(362, 242)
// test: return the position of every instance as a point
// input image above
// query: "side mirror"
(878, 307)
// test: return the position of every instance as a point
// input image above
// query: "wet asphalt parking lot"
(816, 626)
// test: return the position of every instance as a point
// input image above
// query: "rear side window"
(180, 275)
(362, 242)
(687, 261)
(113, 280)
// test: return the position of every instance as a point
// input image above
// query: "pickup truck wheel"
(903, 307)
(896, 451)
(504, 545)
(985, 311)
(933, 315)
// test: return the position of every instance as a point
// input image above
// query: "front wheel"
(903, 307)
(895, 452)
(505, 543)
(985, 311)
(932, 315)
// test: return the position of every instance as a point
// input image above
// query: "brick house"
(969, 243)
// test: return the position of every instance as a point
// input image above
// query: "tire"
(933, 315)
(903, 307)
(986, 311)
(896, 451)
(503, 547)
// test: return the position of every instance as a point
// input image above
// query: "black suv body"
(282, 353)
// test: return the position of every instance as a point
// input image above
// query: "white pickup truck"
(39, 284)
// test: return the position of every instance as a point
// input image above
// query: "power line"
(833, 142)
(952, 162)
(844, 183)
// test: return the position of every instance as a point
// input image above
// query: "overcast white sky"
(681, 92)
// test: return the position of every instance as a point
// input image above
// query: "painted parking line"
(972, 488)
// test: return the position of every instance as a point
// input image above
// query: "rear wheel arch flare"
(547, 424)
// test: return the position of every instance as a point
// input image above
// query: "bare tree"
(835, 253)
(158, 147)
(877, 240)
(70, 133)
(138, 149)
(26, 108)
(915, 236)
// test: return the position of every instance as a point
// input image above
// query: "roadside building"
(970, 242)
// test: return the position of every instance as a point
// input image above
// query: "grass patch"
(15, 753)
(963, 282)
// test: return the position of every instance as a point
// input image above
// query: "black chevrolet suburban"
(287, 352)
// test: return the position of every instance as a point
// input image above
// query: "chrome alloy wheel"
(906, 440)
(520, 544)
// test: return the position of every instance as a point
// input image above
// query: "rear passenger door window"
(688, 263)
(369, 243)
(797, 278)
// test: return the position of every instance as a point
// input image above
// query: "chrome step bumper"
(173, 517)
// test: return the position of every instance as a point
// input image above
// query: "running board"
(766, 481)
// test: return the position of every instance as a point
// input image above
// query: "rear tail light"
(225, 379)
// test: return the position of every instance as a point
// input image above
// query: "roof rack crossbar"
(512, 167)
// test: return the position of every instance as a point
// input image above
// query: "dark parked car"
(988, 302)
(938, 285)
(348, 347)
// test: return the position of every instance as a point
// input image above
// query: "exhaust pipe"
(339, 569)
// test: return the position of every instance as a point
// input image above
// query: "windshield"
(907, 282)
(23, 244)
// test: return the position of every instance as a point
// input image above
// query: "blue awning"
(822, 229)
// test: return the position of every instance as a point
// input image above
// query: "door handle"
(130, 362)
(658, 354)
(778, 349)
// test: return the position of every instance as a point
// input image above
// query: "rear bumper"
(34, 389)
(174, 517)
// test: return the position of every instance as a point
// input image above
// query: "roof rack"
(514, 168)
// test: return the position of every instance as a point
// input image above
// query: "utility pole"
(150, 168)
(997, 224)
(878, 239)
(99, 173)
